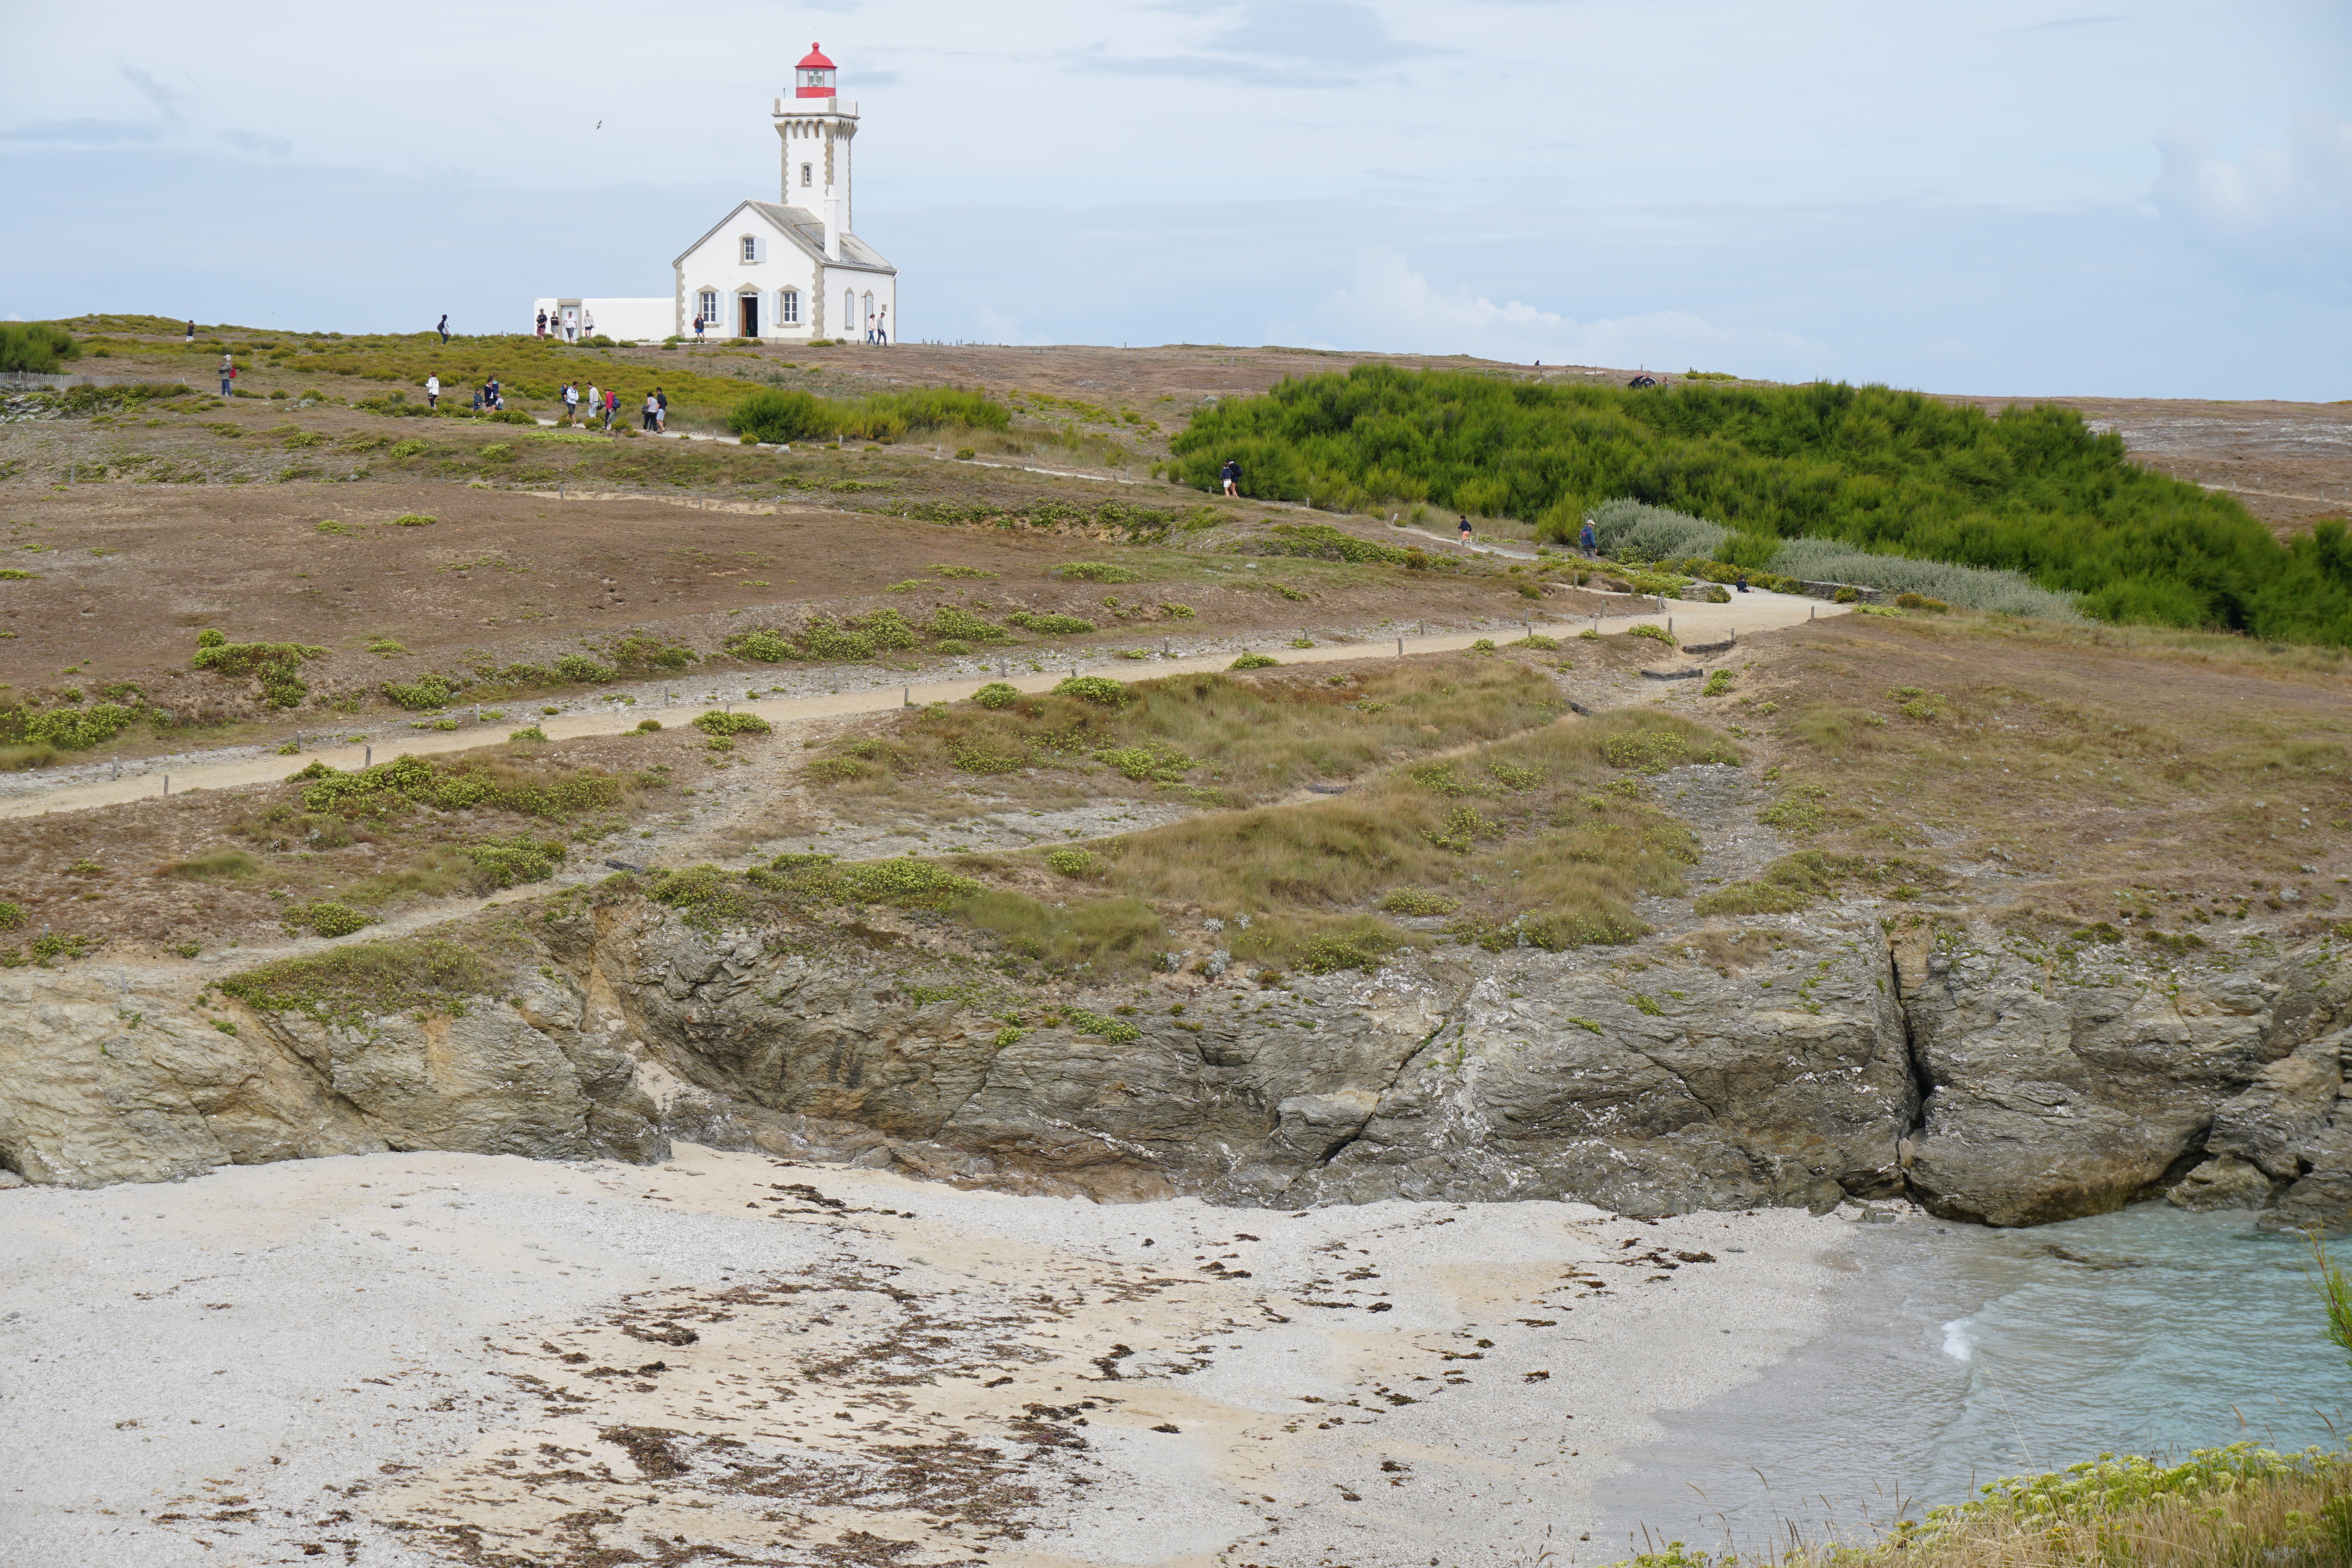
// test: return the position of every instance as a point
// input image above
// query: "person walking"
(1230, 477)
(1588, 541)
(443, 329)
(699, 325)
(661, 411)
(542, 323)
(571, 403)
(587, 322)
(596, 403)
(229, 373)
(433, 394)
(648, 416)
(192, 329)
(612, 410)
(882, 327)
(1466, 533)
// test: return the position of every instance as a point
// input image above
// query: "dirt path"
(1749, 613)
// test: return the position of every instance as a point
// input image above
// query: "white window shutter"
(760, 249)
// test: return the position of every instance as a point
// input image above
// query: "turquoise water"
(1958, 1355)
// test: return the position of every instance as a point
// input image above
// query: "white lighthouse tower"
(790, 270)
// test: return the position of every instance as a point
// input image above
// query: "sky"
(2047, 198)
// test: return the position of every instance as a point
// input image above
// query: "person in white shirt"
(571, 403)
(433, 392)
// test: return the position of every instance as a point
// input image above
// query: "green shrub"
(1716, 684)
(1049, 624)
(1094, 571)
(2029, 490)
(997, 695)
(63, 730)
(12, 916)
(326, 919)
(1656, 633)
(639, 654)
(36, 348)
(1253, 662)
(1082, 863)
(581, 668)
(954, 622)
(408, 448)
(647, 725)
(276, 665)
(1100, 689)
(507, 863)
(414, 521)
(16, 574)
(718, 722)
(528, 735)
(421, 694)
(1414, 901)
(763, 646)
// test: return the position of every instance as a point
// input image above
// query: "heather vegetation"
(2031, 490)
(777, 415)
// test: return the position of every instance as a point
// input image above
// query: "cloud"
(1276, 43)
(167, 100)
(1388, 305)
(85, 132)
(2277, 205)
(995, 327)
(257, 142)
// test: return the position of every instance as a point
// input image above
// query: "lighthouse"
(790, 270)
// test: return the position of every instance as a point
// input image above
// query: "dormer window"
(751, 250)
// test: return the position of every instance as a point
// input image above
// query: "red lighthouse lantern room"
(813, 77)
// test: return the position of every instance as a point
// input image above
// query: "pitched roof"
(803, 229)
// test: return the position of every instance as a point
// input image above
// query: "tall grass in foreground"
(2031, 490)
(2239, 1507)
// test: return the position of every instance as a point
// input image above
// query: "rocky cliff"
(1991, 1078)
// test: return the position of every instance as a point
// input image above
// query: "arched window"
(787, 308)
(848, 313)
(707, 307)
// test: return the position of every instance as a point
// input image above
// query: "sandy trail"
(1693, 622)
(415, 1359)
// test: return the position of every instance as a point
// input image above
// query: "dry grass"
(1222, 739)
(2240, 1507)
(2085, 775)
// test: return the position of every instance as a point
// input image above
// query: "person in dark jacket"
(1230, 477)
(443, 329)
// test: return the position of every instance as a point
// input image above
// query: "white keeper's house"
(787, 270)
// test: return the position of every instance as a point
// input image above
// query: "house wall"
(718, 263)
(882, 286)
(624, 320)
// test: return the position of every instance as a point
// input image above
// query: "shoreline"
(423, 1355)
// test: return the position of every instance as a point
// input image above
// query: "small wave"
(1957, 1344)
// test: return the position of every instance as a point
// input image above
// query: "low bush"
(583, 670)
(997, 695)
(718, 722)
(1255, 661)
(1049, 624)
(1100, 689)
(275, 665)
(508, 862)
(414, 521)
(763, 646)
(36, 348)
(422, 694)
(1094, 571)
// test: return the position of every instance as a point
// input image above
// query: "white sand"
(368, 1355)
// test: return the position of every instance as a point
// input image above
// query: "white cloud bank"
(2296, 196)
(1388, 305)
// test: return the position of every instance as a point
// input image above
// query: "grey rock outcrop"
(2226, 1182)
(101, 1081)
(1696, 1090)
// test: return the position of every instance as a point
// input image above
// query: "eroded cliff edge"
(1988, 1078)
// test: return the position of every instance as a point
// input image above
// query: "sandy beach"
(412, 1359)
